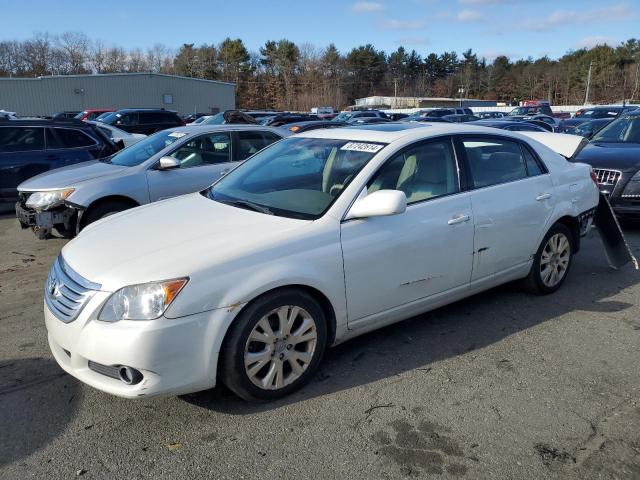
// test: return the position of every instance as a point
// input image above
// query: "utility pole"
(395, 93)
(586, 95)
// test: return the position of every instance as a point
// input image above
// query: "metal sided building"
(43, 96)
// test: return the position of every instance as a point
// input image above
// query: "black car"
(489, 115)
(361, 120)
(65, 115)
(461, 118)
(300, 127)
(517, 126)
(586, 114)
(284, 119)
(614, 154)
(30, 147)
(443, 112)
(143, 120)
(589, 128)
(348, 116)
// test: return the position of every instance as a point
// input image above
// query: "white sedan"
(116, 134)
(316, 239)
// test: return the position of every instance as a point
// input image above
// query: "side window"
(147, 118)
(493, 161)
(425, 171)
(168, 118)
(204, 150)
(129, 119)
(67, 138)
(252, 142)
(22, 139)
(533, 166)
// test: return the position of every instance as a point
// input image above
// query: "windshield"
(522, 111)
(80, 115)
(109, 117)
(623, 130)
(217, 119)
(343, 117)
(600, 113)
(145, 149)
(296, 177)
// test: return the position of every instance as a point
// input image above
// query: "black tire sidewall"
(232, 369)
(103, 210)
(536, 276)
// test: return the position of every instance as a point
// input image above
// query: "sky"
(515, 28)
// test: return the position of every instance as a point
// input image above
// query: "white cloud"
(594, 41)
(469, 16)
(403, 24)
(367, 7)
(561, 18)
(413, 41)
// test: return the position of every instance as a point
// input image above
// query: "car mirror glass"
(168, 163)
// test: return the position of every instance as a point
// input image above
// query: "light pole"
(586, 95)
(460, 92)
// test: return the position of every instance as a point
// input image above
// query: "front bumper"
(175, 356)
(42, 223)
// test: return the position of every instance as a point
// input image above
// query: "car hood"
(574, 122)
(181, 236)
(70, 175)
(617, 156)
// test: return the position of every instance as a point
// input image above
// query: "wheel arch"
(104, 200)
(574, 226)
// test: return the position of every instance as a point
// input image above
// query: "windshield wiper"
(248, 206)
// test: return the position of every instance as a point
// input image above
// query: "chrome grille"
(65, 292)
(606, 177)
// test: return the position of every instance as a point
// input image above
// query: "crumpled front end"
(63, 218)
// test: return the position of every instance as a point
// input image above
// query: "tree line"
(287, 76)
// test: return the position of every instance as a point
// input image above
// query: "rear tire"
(274, 346)
(552, 261)
(104, 210)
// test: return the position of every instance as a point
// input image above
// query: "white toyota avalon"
(316, 239)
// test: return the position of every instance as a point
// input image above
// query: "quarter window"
(425, 171)
(533, 166)
(204, 150)
(493, 161)
(21, 139)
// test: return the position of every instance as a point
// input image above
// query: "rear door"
(66, 146)
(203, 159)
(22, 155)
(511, 198)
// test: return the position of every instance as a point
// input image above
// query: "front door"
(203, 160)
(396, 260)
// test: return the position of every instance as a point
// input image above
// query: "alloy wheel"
(554, 261)
(280, 347)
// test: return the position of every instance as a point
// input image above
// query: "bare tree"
(75, 48)
(37, 54)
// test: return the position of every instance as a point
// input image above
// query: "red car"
(92, 114)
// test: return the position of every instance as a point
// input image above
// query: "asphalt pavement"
(503, 385)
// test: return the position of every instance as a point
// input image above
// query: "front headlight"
(146, 301)
(46, 200)
(632, 188)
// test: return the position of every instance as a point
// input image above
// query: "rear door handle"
(460, 218)
(543, 196)
(224, 172)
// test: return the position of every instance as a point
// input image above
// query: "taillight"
(294, 129)
(594, 177)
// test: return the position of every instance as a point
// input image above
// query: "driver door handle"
(224, 172)
(543, 196)
(460, 218)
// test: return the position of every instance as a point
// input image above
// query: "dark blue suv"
(30, 147)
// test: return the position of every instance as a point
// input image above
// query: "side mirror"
(168, 163)
(379, 203)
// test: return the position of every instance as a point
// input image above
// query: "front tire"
(552, 261)
(104, 210)
(274, 346)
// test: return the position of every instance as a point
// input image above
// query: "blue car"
(30, 147)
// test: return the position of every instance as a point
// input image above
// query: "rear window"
(21, 139)
(67, 138)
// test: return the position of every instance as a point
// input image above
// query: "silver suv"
(169, 163)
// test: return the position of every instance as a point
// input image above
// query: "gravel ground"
(502, 385)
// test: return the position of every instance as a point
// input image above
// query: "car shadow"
(37, 400)
(467, 325)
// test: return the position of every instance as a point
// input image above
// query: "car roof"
(390, 132)
(199, 128)
(128, 110)
(44, 122)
